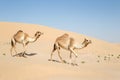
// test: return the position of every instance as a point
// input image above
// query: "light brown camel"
(24, 39)
(68, 43)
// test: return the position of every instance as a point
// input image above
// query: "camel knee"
(70, 55)
(59, 54)
(11, 51)
(51, 56)
(75, 55)
(72, 51)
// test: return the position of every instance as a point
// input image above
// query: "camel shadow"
(65, 62)
(55, 61)
(21, 54)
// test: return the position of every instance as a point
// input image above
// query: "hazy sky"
(95, 18)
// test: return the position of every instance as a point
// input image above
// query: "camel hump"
(72, 40)
(66, 35)
(19, 34)
(20, 31)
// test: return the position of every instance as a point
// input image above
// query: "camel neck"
(33, 39)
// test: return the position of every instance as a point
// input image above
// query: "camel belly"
(19, 39)
(64, 46)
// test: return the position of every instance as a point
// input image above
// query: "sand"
(99, 61)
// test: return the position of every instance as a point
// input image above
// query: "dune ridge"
(99, 61)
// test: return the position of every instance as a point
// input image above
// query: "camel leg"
(15, 50)
(54, 49)
(70, 57)
(71, 49)
(52, 54)
(11, 51)
(63, 61)
(13, 43)
(23, 53)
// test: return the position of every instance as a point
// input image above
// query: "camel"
(23, 38)
(68, 43)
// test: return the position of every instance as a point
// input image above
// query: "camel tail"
(12, 43)
(12, 46)
(55, 47)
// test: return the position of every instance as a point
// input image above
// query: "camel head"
(38, 34)
(86, 42)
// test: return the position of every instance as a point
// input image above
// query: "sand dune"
(99, 61)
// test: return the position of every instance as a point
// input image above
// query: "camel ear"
(85, 39)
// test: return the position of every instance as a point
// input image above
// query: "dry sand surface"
(99, 61)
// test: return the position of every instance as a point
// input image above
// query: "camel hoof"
(64, 61)
(74, 64)
(49, 59)
(24, 56)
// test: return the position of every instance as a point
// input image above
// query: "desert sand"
(99, 61)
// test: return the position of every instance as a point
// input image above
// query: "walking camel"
(23, 38)
(68, 43)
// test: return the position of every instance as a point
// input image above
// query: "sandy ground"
(99, 61)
